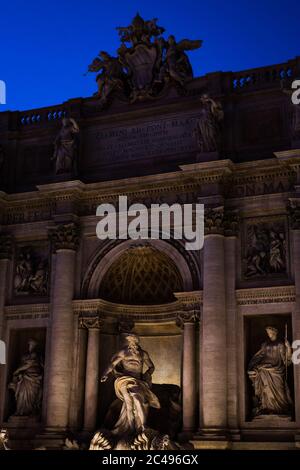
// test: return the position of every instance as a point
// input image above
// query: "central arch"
(171, 257)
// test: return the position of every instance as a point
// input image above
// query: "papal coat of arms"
(145, 65)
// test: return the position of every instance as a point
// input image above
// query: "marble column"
(187, 320)
(231, 229)
(92, 379)
(294, 213)
(213, 372)
(65, 241)
(6, 250)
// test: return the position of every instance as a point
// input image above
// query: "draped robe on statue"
(267, 371)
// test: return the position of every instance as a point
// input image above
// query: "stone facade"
(202, 327)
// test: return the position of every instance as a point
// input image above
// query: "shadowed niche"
(141, 275)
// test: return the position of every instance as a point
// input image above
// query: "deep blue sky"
(46, 46)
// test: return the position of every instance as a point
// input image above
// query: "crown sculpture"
(146, 68)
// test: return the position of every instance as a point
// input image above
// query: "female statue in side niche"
(267, 372)
(27, 382)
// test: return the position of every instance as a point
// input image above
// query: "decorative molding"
(127, 313)
(6, 246)
(260, 177)
(90, 322)
(188, 316)
(65, 237)
(190, 299)
(27, 312)
(266, 295)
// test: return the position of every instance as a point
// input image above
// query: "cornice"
(190, 178)
(27, 311)
(136, 313)
(266, 295)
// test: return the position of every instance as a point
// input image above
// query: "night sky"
(47, 46)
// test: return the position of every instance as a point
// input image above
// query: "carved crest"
(147, 67)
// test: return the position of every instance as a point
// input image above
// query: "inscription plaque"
(154, 138)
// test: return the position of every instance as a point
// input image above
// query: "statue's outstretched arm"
(116, 359)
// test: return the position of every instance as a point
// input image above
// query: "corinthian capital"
(6, 246)
(65, 236)
(214, 218)
(90, 322)
(188, 316)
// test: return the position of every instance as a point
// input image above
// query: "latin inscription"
(150, 139)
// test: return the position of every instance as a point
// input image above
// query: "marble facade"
(200, 323)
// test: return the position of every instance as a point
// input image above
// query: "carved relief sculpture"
(32, 273)
(266, 250)
(267, 371)
(208, 128)
(65, 147)
(27, 382)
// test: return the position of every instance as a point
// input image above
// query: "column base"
(52, 438)
(217, 434)
(211, 439)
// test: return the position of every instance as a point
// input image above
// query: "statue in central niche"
(132, 369)
(132, 386)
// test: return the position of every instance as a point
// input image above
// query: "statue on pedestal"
(208, 128)
(27, 382)
(65, 146)
(267, 371)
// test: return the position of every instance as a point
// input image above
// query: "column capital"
(90, 323)
(191, 315)
(65, 237)
(219, 220)
(294, 213)
(214, 218)
(6, 246)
